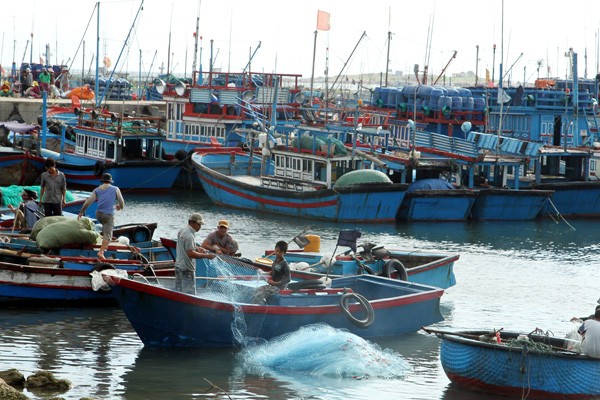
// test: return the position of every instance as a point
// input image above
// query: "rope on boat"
(558, 215)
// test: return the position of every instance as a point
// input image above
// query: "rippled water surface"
(517, 276)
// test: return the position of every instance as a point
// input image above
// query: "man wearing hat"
(26, 215)
(590, 332)
(106, 195)
(220, 241)
(185, 268)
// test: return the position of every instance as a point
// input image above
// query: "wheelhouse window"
(95, 147)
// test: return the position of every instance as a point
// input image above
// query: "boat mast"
(387, 61)
(194, 65)
(312, 75)
(96, 87)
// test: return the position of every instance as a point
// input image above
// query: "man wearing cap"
(220, 241)
(53, 190)
(590, 332)
(185, 268)
(26, 215)
(106, 195)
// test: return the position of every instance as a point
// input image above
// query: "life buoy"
(366, 307)
(140, 233)
(99, 168)
(392, 265)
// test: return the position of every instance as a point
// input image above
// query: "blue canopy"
(429, 184)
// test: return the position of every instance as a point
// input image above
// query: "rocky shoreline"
(41, 383)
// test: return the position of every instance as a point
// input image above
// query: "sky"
(424, 32)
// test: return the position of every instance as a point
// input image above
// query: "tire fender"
(392, 265)
(365, 305)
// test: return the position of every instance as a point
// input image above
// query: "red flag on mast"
(323, 21)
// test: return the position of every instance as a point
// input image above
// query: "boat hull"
(509, 205)
(572, 199)
(518, 370)
(437, 205)
(166, 318)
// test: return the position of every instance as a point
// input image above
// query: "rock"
(13, 377)
(46, 382)
(8, 392)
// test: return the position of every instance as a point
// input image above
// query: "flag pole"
(312, 76)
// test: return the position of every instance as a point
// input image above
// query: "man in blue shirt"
(106, 195)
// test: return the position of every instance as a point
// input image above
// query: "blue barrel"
(457, 103)
(444, 101)
(452, 92)
(478, 103)
(434, 97)
(469, 105)
(376, 95)
(423, 91)
(385, 92)
(391, 98)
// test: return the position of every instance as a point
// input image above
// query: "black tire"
(180, 154)
(140, 233)
(392, 265)
(307, 284)
(99, 168)
(364, 268)
(101, 266)
(188, 165)
(366, 306)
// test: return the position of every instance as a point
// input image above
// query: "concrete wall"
(28, 110)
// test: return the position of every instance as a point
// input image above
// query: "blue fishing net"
(320, 350)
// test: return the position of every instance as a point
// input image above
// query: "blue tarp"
(429, 184)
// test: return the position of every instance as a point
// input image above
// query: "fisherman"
(44, 79)
(220, 241)
(185, 268)
(590, 332)
(27, 213)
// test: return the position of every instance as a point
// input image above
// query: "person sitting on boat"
(27, 213)
(220, 241)
(33, 91)
(280, 275)
(6, 90)
(186, 250)
(44, 79)
(106, 195)
(590, 332)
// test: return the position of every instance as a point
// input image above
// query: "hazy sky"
(542, 30)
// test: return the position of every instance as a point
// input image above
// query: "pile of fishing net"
(57, 231)
(12, 195)
(320, 350)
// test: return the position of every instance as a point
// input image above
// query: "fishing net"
(321, 350)
(12, 194)
(220, 272)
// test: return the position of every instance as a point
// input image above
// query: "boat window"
(95, 147)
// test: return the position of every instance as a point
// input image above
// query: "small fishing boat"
(532, 365)
(37, 280)
(423, 267)
(222, 311)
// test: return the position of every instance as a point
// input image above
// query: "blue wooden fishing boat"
(302, 177)
(19, 163)
(368, 306)
(423, 267)
(530, 365)
(129, 148)
(54, 281)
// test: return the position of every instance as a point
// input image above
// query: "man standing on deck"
(185, 268)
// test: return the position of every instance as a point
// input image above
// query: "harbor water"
(512, 275)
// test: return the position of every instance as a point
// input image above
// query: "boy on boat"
(279, 278)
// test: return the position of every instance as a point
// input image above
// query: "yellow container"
(315, 243)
